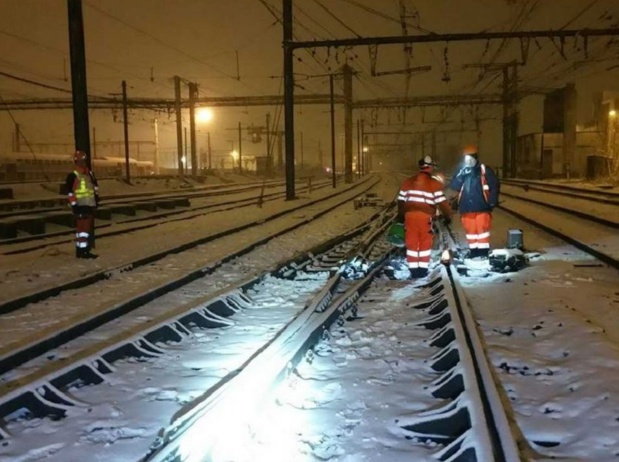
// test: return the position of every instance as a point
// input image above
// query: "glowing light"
(204, 115)
(365, 149)
(235, 154)
(183, 160)
(445, 257)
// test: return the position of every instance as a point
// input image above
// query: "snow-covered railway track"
(584, 231)
(194, 338)
(21, 344)
(593, 195)
(469, 424)
(19, 302)
(131, 224)
(35, 206)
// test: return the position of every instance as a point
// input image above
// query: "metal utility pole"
(269, 166)
(332, 132)
(506, 131)
(186, 144)
(81, 130)
(94, 142)
(289, 98)
(348, 175)
(572, 166)
(513, 123)
(364, 155)
(156, 155)
(301, 142)
(510, 119)
(358, 148)
(210, 153)
(17, 146)
(179, 124)
(193, 90)
(126, 131)
(240, 149)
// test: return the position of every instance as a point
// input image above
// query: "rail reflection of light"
(273, 435)
(236, 428)
(214, 425)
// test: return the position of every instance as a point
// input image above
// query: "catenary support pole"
(332, 132)
(193, 89)
(126, 132)
(81, 129)
(348, 133)
(179, 124)
(289, 98)
(240, 149)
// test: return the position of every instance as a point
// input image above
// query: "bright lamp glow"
(365, 149)
(446, 257)
(204, 115)
(235, 154)
(612, 113)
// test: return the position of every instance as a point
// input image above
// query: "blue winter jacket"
(468, 182)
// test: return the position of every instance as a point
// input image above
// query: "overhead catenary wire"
(34, 156)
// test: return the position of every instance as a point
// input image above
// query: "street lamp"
(204, 115)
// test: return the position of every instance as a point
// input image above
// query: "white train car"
(20, 166)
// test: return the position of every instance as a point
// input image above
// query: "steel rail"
(220, 206)
(584, 194)
(45, 341)
(576, 213)
(609, 260)
(259, 374)
(42, 392)
(475, 423)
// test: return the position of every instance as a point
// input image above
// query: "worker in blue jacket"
(478, 193)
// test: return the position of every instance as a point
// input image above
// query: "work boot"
(473, 253)
(418, 273)
(85, 254)
(483, 253)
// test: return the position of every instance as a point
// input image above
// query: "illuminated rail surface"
(470, 424)
(21, 345)
(190, 202)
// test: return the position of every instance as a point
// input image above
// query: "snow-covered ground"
(552, 332)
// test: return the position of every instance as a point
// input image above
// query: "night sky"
(147, 42)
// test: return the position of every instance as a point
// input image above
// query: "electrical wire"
(41, 166)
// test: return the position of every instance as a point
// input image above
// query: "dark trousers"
(84, 229)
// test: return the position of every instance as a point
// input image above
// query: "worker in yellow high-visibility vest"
(83, 194)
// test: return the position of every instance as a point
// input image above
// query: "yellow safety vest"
(85, 191)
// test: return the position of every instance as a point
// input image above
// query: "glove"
(454, 203)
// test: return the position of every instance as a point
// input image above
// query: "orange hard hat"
(469, 150)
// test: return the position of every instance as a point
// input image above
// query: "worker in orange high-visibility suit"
(478, 189)
(419, 198)
(83, 193)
